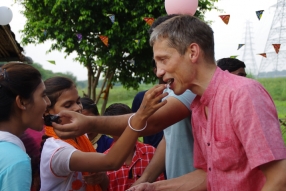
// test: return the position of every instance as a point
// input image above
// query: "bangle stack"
(132, 127)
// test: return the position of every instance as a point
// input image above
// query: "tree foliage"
(48, 73)
(128, 56)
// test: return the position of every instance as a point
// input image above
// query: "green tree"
(75, 25)
(48, 73)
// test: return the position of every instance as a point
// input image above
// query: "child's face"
(68, 100)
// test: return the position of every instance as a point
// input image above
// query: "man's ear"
(194, 52)
(20, 103)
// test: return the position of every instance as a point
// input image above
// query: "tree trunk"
(102, 87)
(95, 83)
(106, 92)
(90, 77)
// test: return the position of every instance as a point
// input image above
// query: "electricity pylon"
(274, 62)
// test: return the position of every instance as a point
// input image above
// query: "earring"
(23, 107)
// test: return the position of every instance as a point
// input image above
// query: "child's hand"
(152, 101)
(78, 125)
(95, 178)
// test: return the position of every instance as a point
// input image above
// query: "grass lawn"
(281, 108)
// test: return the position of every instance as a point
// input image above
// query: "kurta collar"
(212, 87)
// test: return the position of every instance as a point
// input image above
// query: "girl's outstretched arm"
(95, 162)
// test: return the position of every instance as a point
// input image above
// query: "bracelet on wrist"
(137, 130)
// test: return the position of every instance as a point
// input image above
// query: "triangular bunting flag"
(239, 46)
(149, 20)
(276, 47)
(234, 56)
(263, 54)
(52, 62)
(104, 39)
(225, 18)
(137, 41)
(45, 32)
(259, 14)
(79, 36)
(112, 18)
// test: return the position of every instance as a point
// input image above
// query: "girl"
(23, 102)
(64, 163)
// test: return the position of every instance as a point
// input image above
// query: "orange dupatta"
(83, 144)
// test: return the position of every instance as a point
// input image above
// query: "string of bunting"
(149, 20)
(259, 13)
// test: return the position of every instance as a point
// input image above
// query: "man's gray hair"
(183, 30)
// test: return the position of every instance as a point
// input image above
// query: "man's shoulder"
(186, 98)
(234, 81)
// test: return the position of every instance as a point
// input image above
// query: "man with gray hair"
(238, 140)
(177, 140)
(238, 143)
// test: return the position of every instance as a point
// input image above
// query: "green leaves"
(128, 53)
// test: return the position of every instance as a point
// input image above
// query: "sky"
(227, 37)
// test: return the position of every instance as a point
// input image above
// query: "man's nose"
(160, 72)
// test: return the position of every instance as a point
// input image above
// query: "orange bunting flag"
(225, 18)
(104, 39)
(263, 54)
(259, 14)
(239, 46)
(149, 20)
(276, 47)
